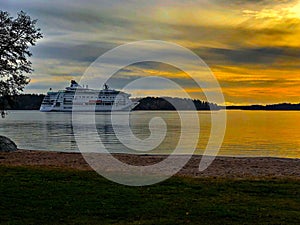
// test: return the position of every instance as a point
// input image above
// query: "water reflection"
(249, 133)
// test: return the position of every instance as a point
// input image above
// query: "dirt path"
(222, 167)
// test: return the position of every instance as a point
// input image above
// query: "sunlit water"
(248, 133)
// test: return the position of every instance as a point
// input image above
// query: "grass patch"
(51, 196)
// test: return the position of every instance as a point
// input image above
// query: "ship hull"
(87, 108)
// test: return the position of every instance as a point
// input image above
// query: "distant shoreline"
(273, 107)
(33, 102)
(229, 108)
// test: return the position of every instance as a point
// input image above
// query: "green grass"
(52, 196)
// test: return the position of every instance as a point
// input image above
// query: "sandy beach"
(222, 167)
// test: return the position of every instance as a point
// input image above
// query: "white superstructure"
(84, 99)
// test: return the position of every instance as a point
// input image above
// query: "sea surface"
(248, 133)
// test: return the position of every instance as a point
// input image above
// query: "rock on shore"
(7, 145)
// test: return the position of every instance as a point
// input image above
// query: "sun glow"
(295, 10)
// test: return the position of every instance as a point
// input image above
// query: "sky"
(251, 46)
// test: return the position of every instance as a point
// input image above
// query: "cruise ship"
(80, 98)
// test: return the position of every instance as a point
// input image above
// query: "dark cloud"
(241, 56)
(254, 83)
(81, 53)
(254, 3)
(42, 87)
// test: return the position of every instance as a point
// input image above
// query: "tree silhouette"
(16, 36)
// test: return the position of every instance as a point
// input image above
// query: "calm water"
(248, 133)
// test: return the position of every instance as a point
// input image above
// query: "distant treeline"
(168, 103)
(33, 102)
(281, 106)
(23, 102)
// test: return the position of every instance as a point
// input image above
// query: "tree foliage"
(167, 103)
(16, 37)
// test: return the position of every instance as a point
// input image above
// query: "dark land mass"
(22, 102)
(168, 103)
(33, 102)
(281, 106)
